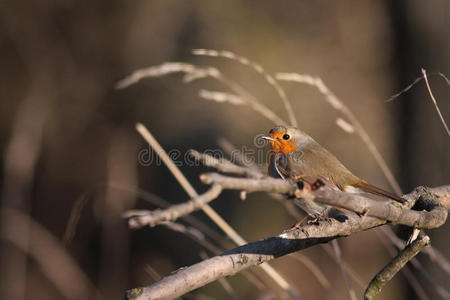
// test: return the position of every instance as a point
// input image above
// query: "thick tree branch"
(395, 265)
(241, 258)
(388, 211)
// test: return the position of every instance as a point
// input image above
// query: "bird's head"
(285, 140)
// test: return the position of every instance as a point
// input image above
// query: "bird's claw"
(321, 217)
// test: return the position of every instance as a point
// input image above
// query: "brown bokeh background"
(67, 134)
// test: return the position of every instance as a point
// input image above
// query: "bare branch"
(388, 211)
(141, 218)
(266, 184)
(409, 275)
(224, 165)
(256, 253)
(389, 271)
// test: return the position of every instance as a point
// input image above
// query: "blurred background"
(67, 136)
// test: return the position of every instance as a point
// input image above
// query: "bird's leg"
(321, 217)
(317, 184)
(305, 201)
(299, 223)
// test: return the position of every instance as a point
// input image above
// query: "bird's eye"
(286, 136)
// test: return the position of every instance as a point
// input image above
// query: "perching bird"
(298, 157)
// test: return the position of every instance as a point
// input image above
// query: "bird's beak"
(267, 138)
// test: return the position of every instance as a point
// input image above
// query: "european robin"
(298, 157)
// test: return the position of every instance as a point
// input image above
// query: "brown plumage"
(298, 157)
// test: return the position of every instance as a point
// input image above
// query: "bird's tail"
(377, 191)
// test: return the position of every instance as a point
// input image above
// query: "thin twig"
(141, 218)
(400, 244)
(395, 265)
(435, 102)
(410, 277)
(408, 87)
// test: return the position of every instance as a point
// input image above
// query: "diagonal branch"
(252, 254)
(141, 218)
(395, 265)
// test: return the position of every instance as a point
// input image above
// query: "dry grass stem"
(311, 266)
(75, 214)
(193, 233)
(348, 283)
(186, 185)
(221, 97)
(259, 69)
(408, 87)
(193, 73)
(152, 273)
(53, 259)
(344, 125)
(435, 103)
